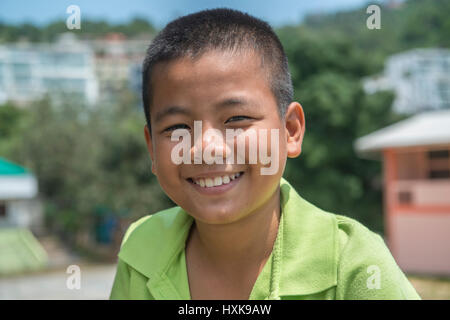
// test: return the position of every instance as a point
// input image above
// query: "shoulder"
(359, 246)
(353, 235)
(147, 247)
(161, 221)
(151, 242)
(366, 267)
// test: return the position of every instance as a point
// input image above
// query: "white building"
(19, 206)
(116, 59)
(416, 180)
(420, 79)
(20, 220)
(29, 71)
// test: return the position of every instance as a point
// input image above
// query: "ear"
(295, 129)
(148, 140)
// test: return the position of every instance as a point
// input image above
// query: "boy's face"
(223, 91)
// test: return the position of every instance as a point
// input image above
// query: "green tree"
(88, 160)
(11, 120)
(326, 72)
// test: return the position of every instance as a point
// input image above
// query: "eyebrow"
(172, 110)
(229, 102)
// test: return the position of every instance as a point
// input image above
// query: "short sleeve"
(366, 268)
(128, 283)
(121, 285)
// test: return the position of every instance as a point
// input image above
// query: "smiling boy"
(238, 233)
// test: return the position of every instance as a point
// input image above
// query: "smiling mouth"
(215, 181)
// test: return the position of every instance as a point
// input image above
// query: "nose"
(209, 144)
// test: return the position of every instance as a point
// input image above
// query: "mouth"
(214, 184)
(215, 181)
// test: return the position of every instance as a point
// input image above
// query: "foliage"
(90, 29)
(328, 56)
(87, 160)
(326, 72)
(415, 23)
(11, 120)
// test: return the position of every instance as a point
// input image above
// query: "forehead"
(210, 63)
(212, 76)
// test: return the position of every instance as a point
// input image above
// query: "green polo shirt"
(316, 255)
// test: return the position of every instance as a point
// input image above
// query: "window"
(439, 164)
(21, 69)
(404, 197)
(443, 88)
(439, 174)
(439, 154)
(2, 210)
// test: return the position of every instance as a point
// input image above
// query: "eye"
(237, 118)
(176, 126)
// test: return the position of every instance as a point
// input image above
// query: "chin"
(217, 215)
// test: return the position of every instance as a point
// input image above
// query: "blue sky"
(160, 12)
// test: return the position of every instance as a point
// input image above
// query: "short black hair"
(222, 29)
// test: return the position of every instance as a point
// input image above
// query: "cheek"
(257, 142)
(282, 145)
(272, 151)
(162, 156)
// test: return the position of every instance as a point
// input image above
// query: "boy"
(238, 233)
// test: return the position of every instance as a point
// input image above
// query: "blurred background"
(74, 169)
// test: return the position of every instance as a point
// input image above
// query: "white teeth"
(216, 181)
(209, 183)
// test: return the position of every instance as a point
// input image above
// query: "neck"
(243, 244)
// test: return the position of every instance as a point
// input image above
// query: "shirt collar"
(152, 247)
(309, 249)
(305, 260)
